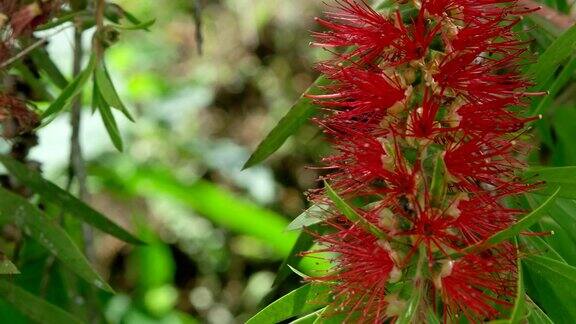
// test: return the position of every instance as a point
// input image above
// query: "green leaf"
(559, 82)
(542, 247)
(411, 308)
(107, 90)
(310, 318)
(308, 218)
(439, 185)
(555, 177)
(71, 90)
(43, 61)
(553, 286)
(553, 269)
(7, 267)
(68, 202)
(519, 309)
(432, 318)
(536, 314)
(60, 20)
(554, 55)
(297, 116)
(299, 301)
(140, 26)
(130, 17)
(352, 215)
(303, 264)
(108, 120)
(518, 227)
(36, 225)
(34, 307)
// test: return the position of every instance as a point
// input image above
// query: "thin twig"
(30, 48)
(558, 19)
(23, 53)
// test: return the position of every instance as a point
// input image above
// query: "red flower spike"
(423, 114)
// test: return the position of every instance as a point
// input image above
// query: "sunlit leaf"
(308, 218)
(7, 267)
(299, 301)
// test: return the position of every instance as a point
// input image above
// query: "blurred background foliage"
(216, 233)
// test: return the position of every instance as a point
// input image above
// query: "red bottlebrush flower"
(430, 139)
(476, 283)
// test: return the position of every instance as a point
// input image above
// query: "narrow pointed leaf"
(554, 177)
(519, 309)
(299, 301)
(536, 314)
(46, 232)
(351, 214)
(553, 270)
(410, 311)
(308, 218)
(109, 121)
(33, 307)
(108, 91)
(310, 318)
(71, 90)
(517, 228)
(68, 202)
(438, 185)
(297, 116)
(140, 26)
(43, 60)
(555, 54)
